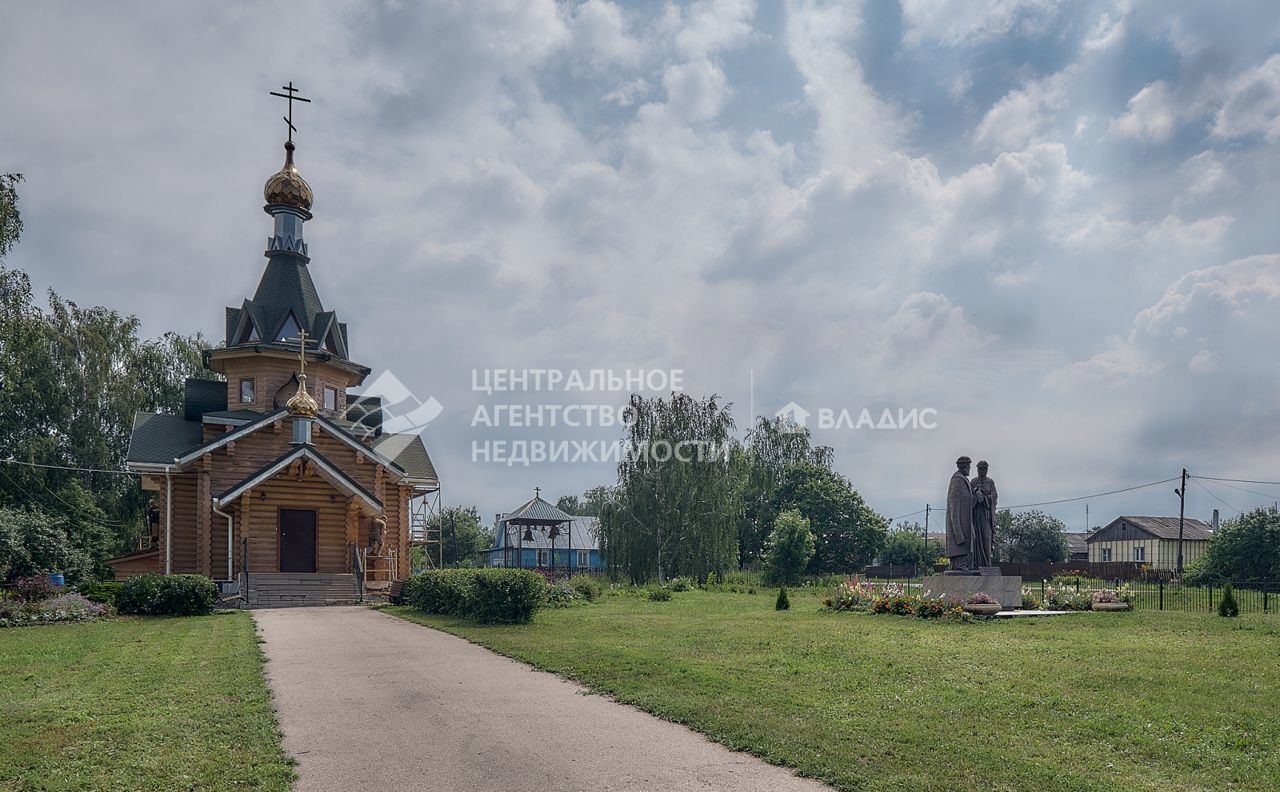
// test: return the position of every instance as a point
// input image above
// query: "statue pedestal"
(1005, 589)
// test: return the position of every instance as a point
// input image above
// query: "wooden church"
(276, 482)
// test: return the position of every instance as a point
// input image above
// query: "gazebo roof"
(538, 512)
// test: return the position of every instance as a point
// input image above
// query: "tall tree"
(10, 217)
(772, 446)
(1029, 537)
(907, 545)
(71, 380)
(847, 533)
(462, 537)
(676, 506)
(789, 549)
(1244, 548)
(589, 505)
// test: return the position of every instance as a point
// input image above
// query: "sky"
(1050, 227)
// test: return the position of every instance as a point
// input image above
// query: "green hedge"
(167, 595)
(488, 596)
(106, 592)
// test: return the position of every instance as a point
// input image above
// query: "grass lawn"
(1140, 700)
(138, 704)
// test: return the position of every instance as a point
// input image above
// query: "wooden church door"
(297, 540)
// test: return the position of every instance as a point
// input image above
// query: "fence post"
(1266, 590)
(1161, 595)
(1210, 597)
(1042, 589)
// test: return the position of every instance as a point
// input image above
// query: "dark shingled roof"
(1164, 528)
(537, 511)
(409, 452)
(159, 438)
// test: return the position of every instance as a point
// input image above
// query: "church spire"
(288, 197)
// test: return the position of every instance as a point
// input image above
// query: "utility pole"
(927, 508)
(1182, 511)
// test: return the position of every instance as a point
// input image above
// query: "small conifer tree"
(783, 603)
(1227, 605)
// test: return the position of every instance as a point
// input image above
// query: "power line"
(1094, 495)
(905, 516)
(69, 467)
(1239, 481)
(1214, 495)
(93, 518)
(1270, 495)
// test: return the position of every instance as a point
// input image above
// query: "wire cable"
(1214, 495)
(12, 461)
(1095, 495)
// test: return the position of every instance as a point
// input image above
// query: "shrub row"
(488, 596)
(167, 595)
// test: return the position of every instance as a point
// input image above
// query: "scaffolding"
(426, 529)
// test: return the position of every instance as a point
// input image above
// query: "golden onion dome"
(301, 404)
(287, 187)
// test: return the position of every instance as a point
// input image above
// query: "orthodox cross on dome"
(302, 354)
(288, 120)
(537, 492)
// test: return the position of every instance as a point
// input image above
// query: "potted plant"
(982, 604)
(1109, 600)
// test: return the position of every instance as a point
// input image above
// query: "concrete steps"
(289, 589)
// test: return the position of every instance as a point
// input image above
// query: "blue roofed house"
(537, 535)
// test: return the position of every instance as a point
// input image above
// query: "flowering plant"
(852, 595)
(982, 598)
(1118, 594)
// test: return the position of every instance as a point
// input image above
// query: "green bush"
(1227, 606)
(439, 591)
(659, 595)
(782, 603)
(485, 595)
(680, 584)
(505, 596)
(106, 592)
(167, 595)
(587, 587)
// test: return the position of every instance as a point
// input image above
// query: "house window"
(542, 558)
(330, 398)
(246, 391)
(584, 558)
(1139, 553)
(1106, 554)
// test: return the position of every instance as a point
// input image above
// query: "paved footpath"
(369, 701)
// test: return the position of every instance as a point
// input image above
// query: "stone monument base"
(1005, 589)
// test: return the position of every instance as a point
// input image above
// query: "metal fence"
(1252, 596)
(1170, 595)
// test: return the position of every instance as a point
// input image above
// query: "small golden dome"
(287, 187)
(301, 404)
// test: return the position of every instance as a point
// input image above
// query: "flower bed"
(54, 610)
(892, 599)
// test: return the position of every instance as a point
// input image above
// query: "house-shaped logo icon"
(793, 414)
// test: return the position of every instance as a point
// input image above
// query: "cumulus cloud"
(1023, 115)
(1201, 314)
(1151, 115)
(974, 21)
(745, 197)
(1252, 104)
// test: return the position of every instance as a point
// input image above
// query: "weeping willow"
(677, 504)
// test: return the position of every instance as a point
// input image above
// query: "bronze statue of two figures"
(971, 519)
